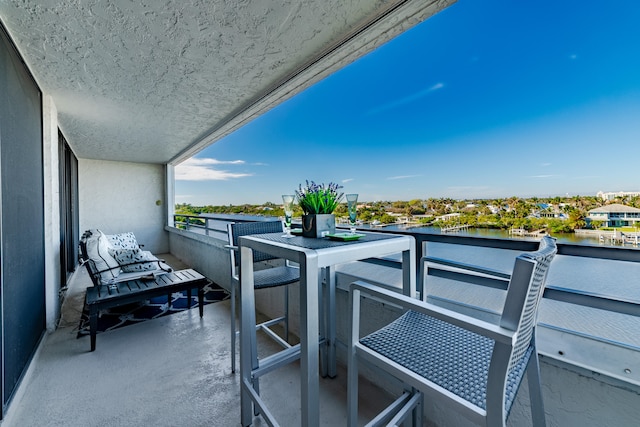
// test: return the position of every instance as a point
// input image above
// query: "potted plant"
(318, 203)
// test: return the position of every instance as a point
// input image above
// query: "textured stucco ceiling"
(156, 81)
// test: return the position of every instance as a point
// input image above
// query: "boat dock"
(521, 232)
(620, 238)
(454, 228)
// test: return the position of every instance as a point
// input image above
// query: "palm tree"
(576, 219)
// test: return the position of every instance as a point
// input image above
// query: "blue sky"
(486, 99)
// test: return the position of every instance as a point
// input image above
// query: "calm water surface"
(484, 232)
(616, 279)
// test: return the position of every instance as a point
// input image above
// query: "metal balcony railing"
(215, 226)
(593, 343)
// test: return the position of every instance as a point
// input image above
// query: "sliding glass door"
(69, 238)
(22, 277)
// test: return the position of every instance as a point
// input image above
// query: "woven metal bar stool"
(471, 366)
(279, 276)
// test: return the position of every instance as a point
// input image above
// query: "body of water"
(486, 232)
(613, 279)
(618, 279)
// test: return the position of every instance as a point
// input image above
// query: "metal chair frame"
(278, 276)
(505, 351)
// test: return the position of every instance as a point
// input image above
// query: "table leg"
(309, 347)
(322, 318)
(93, 325)
(201, 301)
(248, 352)
(331, 321)
(408, 272)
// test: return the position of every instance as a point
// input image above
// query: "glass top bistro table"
(314, 256)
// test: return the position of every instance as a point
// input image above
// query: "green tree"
(365, 215)
(387, 219)
(576, 220)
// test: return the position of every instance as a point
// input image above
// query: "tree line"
(554, 214)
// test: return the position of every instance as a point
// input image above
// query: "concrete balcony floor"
(170, 371)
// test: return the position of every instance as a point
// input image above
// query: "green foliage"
(387, 219)
(341, 210)
(509, 213)
(596, 224)
(365, 215)
(559, 226)
(318, 199)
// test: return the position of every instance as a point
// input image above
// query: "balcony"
(175, 370)
(169, 371)
(103, 100)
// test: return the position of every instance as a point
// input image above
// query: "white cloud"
(344, 181)
(209, 161)
(402, 177)
(202, 170)
(407, 99)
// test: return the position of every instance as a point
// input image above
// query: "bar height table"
(312, 255)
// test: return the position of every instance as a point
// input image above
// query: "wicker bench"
(106, 296)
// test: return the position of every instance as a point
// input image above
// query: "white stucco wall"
(206, 254)
(51, 211)
(117, 197)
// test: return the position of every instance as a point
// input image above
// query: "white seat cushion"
(123, 240)
(97, 246)
(131, 260)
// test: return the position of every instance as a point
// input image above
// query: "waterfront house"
(100, 101)
(544, 210)
(448, 217)
(615, 215)
(493, 209)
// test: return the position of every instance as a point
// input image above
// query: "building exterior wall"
(615, 219)
(614, 194)
(51, 212)
(206, 254)
(117, 197)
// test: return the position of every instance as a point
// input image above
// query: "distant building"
(615, 215)
(494, 209)
(612, 195)
(545, 210)
(448, 216)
